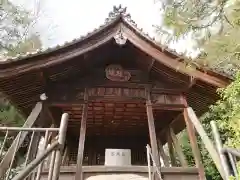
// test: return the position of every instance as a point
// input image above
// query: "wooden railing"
(230, 168)
(156, 170)
(31, 168)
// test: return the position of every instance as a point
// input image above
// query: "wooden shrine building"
(122, 90)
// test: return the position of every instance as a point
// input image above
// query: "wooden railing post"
(29, 123)
(79, 173)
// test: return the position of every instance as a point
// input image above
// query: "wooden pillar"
(152, 131)
(178, 148)
(79, 173)
(170, 149)
(194, 145)
(206, 140)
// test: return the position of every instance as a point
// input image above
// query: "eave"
(118, 22)
(14, 72)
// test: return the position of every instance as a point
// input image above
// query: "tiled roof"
(115, 14)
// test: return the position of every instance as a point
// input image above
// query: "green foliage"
(15, 39)
(212, 25)
(199, 17)
(9, 116)
(30, 44)
(210, 169)
(15, 25)
(215, 26)
(226, 112)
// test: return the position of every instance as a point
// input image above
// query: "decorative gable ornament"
(120, 39)
(117, 73)
(118, 11)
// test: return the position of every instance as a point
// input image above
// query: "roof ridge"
(115, 13)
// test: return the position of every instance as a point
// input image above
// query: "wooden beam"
(79, 173)
(50, 115)
(165, 158)
(194, 145)
(152, 131)
(31, 120)
(178, 149)
(151, 65)
(192, 82)
(166, 130)
(170, 149)
(206, 140)
(171, 62)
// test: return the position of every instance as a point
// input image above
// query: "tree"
(214, 27)
(16, 37)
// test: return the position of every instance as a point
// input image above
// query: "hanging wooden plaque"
(117, 73)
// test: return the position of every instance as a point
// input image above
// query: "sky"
(61, 21)
(74, 18)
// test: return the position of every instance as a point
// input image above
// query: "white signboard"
(117, 157)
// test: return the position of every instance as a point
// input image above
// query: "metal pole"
(61, 141)
(233, 165)
(219, 149)
(234, 152)
(3, 144)
(31, 166)
(29, 129)
(154, 163)
(14, 154)
(29, 149)
(51, 167)
(44, 147)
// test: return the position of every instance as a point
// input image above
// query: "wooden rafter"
(151, 65)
